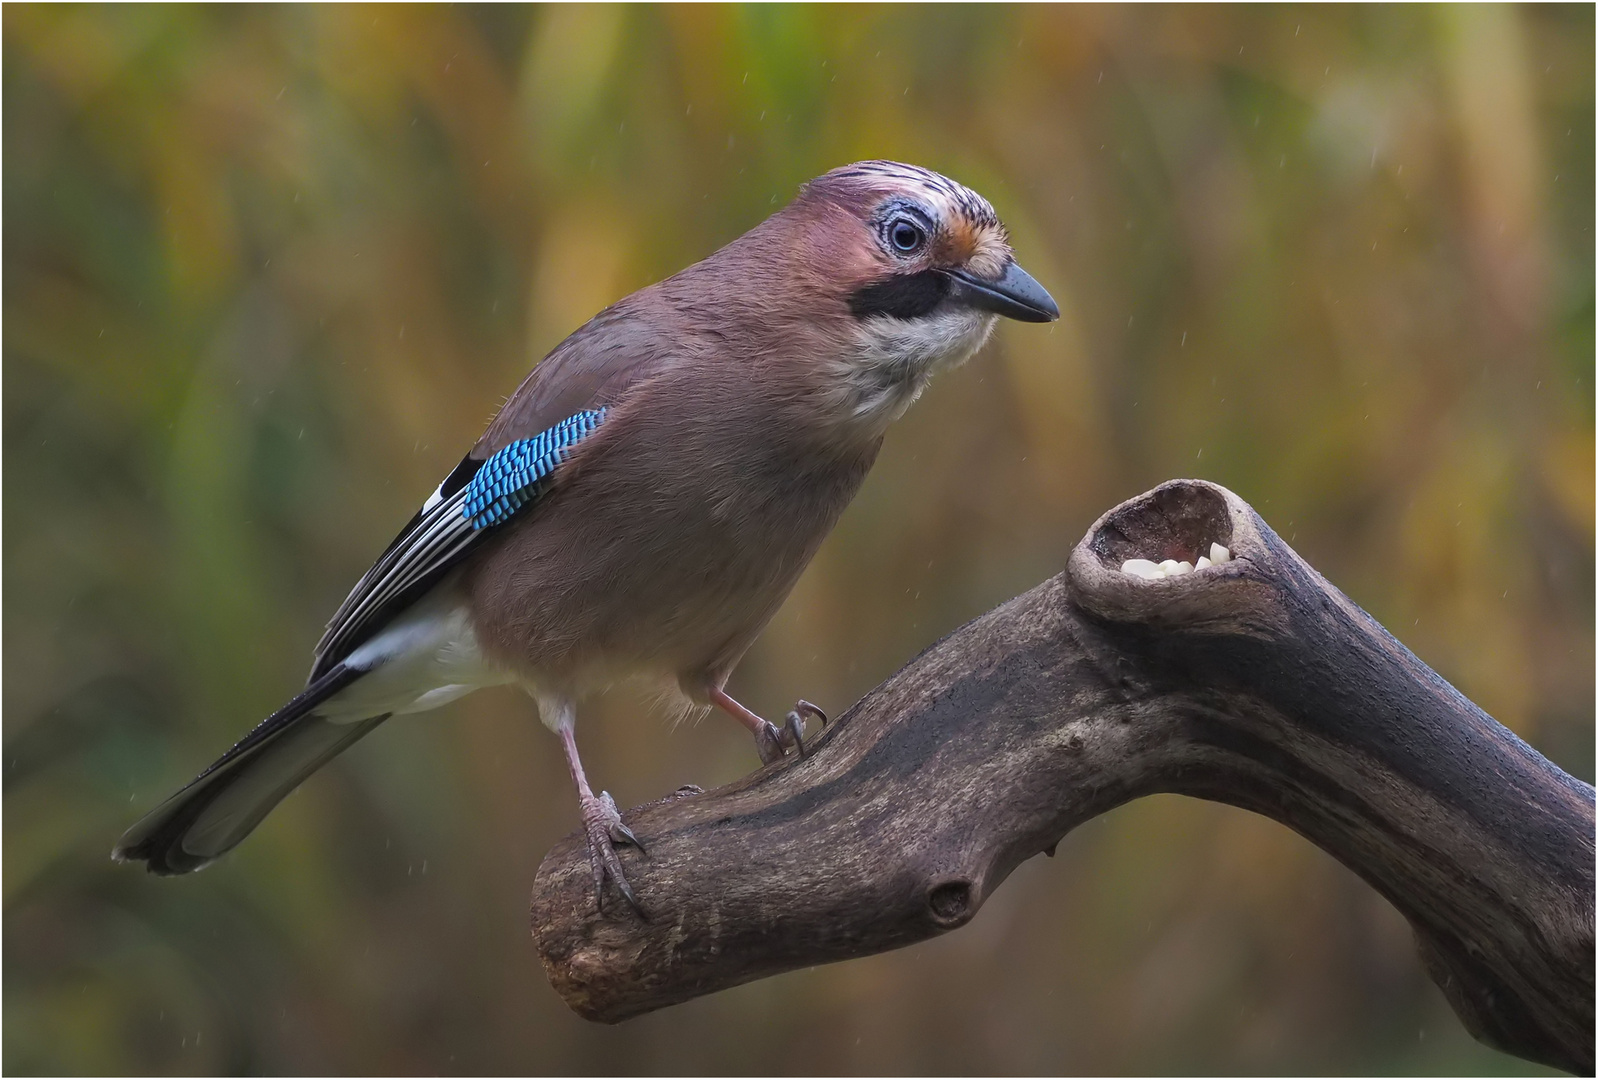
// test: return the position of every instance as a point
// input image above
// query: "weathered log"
(1254, 683)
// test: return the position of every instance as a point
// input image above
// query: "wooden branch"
(1254, 683)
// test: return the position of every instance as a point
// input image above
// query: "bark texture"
(1255, 683)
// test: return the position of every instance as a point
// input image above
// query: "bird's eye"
(906, 236)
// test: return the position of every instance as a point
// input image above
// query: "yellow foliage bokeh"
(269, 269)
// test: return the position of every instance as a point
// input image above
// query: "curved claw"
(794, 731)
(603, 825)
(619, 832)
(805, 708)
(769, 743)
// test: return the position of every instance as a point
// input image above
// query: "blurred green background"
(268, 271)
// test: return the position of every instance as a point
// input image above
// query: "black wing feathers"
(421, 554)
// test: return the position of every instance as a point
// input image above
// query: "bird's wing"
(477, 497)
(595, 366)
(564, 399)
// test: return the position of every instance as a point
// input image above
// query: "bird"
(644, 501)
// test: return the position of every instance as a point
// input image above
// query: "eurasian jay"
(646, 499)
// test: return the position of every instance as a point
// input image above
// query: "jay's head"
(923, 267)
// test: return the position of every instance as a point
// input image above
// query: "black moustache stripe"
(903, 296)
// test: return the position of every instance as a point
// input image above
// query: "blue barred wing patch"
(513, 476)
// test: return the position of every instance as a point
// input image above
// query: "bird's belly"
(596, 590)
(612, 616)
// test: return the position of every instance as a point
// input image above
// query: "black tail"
(221, 805)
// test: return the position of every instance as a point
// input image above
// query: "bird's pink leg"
(768, 740)
(603, 826)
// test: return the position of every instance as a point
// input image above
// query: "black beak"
(1016, 295)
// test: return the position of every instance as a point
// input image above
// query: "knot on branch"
(950, 903)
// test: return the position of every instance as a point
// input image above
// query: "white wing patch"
(442, 533)
(425, 658)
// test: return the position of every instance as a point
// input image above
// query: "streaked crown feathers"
(967, 230)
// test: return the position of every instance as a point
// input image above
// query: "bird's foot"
(773, 743)
(603, 825)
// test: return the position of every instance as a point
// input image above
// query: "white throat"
(892, 360)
